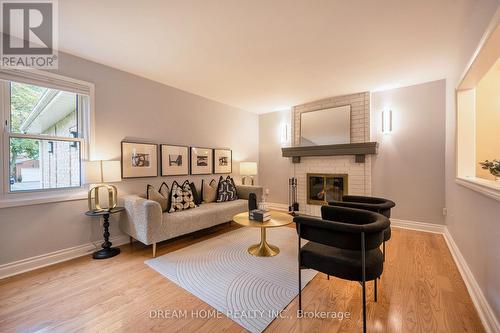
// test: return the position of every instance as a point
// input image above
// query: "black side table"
(107, 251)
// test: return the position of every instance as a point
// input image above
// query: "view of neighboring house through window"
(45, 138)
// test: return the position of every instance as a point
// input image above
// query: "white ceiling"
(266, 55)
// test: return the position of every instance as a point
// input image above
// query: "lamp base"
(106, 253)
(94, 201)
(243, 180)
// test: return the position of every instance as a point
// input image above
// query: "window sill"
(24, 199)
(488, 188)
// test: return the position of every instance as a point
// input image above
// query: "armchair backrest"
(342, 228)
(379, 205)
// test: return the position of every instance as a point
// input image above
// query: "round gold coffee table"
(263, 249)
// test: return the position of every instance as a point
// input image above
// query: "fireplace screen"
(322, 188)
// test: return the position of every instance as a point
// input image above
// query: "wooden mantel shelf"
(358, 149)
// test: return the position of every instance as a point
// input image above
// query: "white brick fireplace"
(359, 174)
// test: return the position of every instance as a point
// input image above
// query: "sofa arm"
(244, 190)
(143, 218)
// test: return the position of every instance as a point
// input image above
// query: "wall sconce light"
(387, 121)
(284, 133)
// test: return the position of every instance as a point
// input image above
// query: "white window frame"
(87, 130)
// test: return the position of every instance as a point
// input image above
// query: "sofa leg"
(154, 250)
(131, 240)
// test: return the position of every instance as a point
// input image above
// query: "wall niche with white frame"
(478, 120)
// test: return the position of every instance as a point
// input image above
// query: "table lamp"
(99, 173)
(248, 170)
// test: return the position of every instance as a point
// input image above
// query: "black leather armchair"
(378, 205)
(344, 243)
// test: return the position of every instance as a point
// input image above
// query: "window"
(46, 132)
(478, 122)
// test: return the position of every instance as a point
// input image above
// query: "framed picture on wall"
(223, 161)
(174, 160)
(139, 160)
(201, 161)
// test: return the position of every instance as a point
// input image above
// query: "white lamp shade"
(111, 171)
(92, 172)
(248, 168)
(101, 172)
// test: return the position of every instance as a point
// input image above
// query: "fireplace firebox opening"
(325, 187)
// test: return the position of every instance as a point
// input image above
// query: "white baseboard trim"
(486, 314)
(277, 206)
(418, 226)
(47, 259)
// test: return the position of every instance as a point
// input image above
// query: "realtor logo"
(29, 34)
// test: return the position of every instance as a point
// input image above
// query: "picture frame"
(175, 160)
(139, 160)
(201, 161)
(223, 161)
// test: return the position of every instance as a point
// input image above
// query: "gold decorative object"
(98, 172)
(94, 200)
(264, 249)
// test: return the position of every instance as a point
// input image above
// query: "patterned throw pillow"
(226, 191)
(181, 197)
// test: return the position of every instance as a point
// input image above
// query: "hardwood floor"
(420, 291)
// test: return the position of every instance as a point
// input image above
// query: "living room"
(139, 151)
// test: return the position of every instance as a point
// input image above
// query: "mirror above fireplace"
(326, 127)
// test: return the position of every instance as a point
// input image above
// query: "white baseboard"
(419, 226)
(29, 264)
(486, 314)
(277, 206)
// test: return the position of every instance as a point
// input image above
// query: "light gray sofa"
(146, 222)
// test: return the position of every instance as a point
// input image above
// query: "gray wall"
(126, 106)
(409, 167)
(274, 169)
(473, 219)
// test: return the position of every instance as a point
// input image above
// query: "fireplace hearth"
(325, 187)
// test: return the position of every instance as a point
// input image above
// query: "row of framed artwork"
(141, 160)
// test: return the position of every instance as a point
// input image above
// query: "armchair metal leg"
(154, 250)
(328, 277)
(375, 290)
(300, 272)
(300, 289)
(363, 278)
(383, 249)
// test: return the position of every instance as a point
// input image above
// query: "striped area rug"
(250, 290)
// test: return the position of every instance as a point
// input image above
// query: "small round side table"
(264, 249)
(107, 251)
